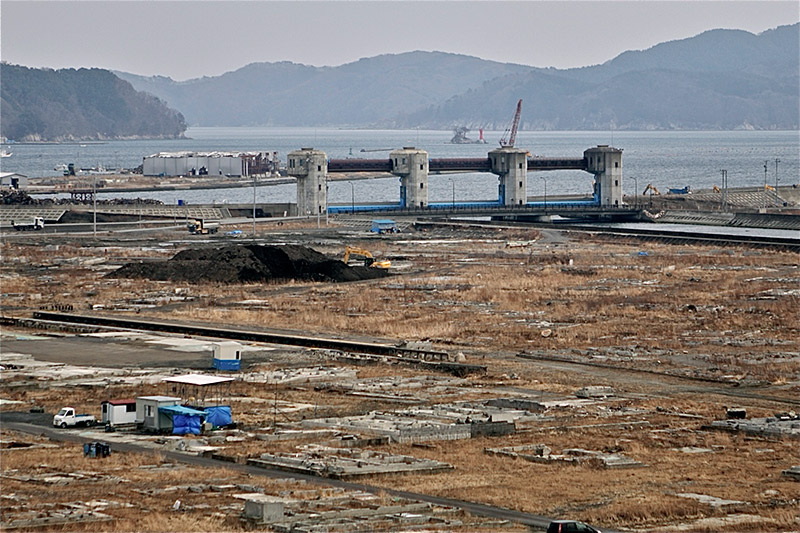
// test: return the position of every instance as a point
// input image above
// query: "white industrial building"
(13, 180)
(233, 164)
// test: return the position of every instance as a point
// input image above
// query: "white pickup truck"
(66, 417)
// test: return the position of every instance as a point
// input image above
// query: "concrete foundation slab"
(540, 453)
(782, 427)
(342, 463)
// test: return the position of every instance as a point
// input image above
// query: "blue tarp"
(181, 410)
(184, 419)
(219, 415)
(183, 424)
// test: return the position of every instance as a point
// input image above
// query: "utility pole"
(724, 189)
(94, 202)
(764, 202)
(776, 180)
(254, 206)
(635, 193)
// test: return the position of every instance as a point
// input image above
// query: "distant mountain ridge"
(719, 79)
(364, 92)
(82, 104)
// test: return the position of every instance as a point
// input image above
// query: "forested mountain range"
(720, 79)
(82, 104)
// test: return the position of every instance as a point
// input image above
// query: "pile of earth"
(248, 263)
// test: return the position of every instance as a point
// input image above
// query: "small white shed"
(148, 414)
(227, 355)
(118, 412)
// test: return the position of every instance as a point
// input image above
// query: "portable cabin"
(149, 414)
(227, 355)
(118, 412)
(384, 225)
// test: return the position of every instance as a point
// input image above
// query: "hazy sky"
(190, 38)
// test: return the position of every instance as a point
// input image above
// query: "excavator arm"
(651, 188)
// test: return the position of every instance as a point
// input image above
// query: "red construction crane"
(514, 126)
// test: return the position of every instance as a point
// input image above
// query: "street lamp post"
(254, 206)
(764, 202)
(352, 198)
(776, 180)
(545, 192)
(635, 188)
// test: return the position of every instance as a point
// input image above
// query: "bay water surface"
(664, 158)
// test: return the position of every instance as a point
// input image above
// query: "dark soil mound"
(248, 263)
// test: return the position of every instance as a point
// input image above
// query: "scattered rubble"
(792, 473)
(349, 511)
(51, 515)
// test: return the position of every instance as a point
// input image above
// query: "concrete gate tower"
(412, 167)
(310, 167)
(605, 162)
(511, 166)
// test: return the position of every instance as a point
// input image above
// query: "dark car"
(570, 526)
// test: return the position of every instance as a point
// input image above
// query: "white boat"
(3, 153)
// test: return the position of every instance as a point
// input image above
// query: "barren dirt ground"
(678, 333)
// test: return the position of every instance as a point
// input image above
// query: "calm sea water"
(665, 159)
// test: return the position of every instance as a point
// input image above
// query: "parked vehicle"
(201, 227)
(570, 526)
(66, 417)
(36, 223)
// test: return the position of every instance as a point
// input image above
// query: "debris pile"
(248, 263)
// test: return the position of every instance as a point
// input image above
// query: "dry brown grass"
(611, 298)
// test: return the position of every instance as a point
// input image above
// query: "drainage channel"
(430, 358)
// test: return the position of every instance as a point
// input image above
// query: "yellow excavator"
(652, 188)
(369, 260)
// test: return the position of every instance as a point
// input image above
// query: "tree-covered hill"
(82, 104)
